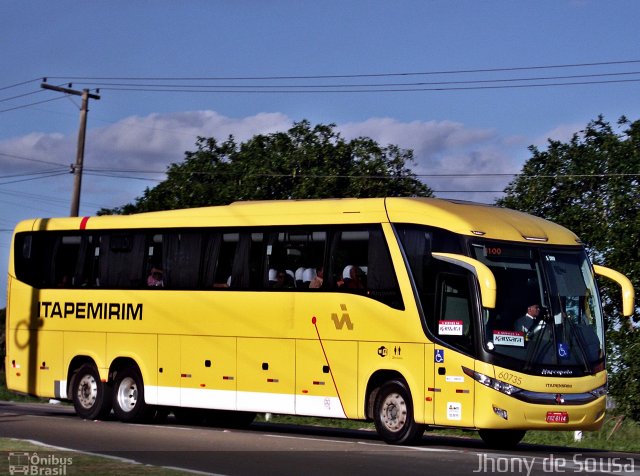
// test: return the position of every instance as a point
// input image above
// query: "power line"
(369, 90)
(433, 176)
(30, 159)
(22, 83)
(31, 104)
(340, 76)
(365, 85)
(42, 198)
(20, 95)
(27, 174)
(34, 178)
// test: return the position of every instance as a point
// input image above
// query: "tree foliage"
(304, 162)
(590, 184)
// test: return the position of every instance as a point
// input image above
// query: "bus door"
(453, 398)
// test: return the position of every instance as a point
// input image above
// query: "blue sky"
(454, 132)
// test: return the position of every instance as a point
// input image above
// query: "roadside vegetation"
(57, 461)
(625, 438)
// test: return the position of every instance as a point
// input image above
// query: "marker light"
(501, 413)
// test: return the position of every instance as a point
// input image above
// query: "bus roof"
(465, 218)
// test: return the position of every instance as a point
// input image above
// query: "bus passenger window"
(122, 261)
(246, 267)
(361, 264)
(182, 258)
(224, 264)
(296, 255)
(72, 263)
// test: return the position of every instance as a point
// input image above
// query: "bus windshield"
(547, 314)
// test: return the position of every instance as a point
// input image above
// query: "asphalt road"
(266, 449)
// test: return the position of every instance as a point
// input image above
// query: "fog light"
(501, 413)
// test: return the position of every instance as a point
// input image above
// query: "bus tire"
(393, 414)
(91, 397)
(128, 396)
(502, 439)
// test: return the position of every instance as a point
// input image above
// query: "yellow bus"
(402, 311)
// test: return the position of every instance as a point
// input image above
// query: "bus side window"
(224, 260)
(84, 273)
(182, 259)
(295, 259)
(66, 258)
(453, 322)
(256, 260)
(248, 258)
(34, 259)
(122, 260)
(361, 264)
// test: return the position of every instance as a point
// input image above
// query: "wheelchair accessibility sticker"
(438, 356)
(563, 350)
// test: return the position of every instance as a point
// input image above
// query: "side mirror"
(483, 274)
(628, 294)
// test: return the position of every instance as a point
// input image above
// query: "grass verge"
(626, 438)
(26, 457)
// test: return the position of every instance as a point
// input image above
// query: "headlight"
(599, 392)
(499, 385)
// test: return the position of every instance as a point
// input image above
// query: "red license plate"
(557, 417)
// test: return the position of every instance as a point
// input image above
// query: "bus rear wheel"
(393, 415)
(128, 396)
(502, 439)
(91, 397)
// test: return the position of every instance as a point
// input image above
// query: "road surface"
(271, 449)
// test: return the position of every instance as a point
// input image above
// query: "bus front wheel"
(91, 397)
(393, 415)
(501, 439)
(128, 396)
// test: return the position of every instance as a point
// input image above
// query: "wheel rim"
(393, 412)
(127, 394)
(87, 391)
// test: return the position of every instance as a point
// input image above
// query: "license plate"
(557, 417)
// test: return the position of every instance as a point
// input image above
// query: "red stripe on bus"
(83, 223)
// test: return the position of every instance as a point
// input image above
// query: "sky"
(467, 85)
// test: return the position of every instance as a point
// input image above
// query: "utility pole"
(77, 168)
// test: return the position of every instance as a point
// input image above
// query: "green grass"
(10, 396)
(75, 463)
(626, 438)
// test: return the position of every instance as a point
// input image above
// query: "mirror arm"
(628, 294)
(483, 274)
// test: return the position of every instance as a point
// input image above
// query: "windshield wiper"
(577, 335)
(536, 340)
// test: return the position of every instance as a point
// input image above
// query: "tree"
(591, 185)
(303, 162)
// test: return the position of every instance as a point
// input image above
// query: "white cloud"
(562, 133)
(152, 142)
(448, 148)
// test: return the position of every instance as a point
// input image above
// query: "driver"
(530, 323)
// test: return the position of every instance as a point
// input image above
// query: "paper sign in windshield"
(515, 339)
(450, 328)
